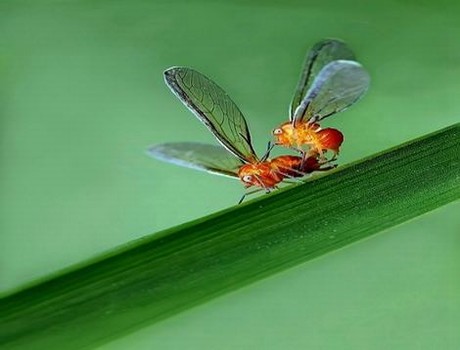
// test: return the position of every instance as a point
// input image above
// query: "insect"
(237, 158)
(330, 82)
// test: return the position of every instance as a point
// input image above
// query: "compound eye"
(247, 178)
(277, 131)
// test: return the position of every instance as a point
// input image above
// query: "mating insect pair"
(331, 81)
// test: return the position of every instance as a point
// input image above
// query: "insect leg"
(313, 119)
(248, 194)
(267, 190)
(269, 149)
(242, 198)
(292, 179)
(329, 167)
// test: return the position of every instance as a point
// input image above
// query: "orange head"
(259, 174)
(285, 135)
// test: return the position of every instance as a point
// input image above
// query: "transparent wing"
(214, 108)
(337, 86)
(319, 56)
(209, 158)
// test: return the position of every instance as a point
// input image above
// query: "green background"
(82, 96)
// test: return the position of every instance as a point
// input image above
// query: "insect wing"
(214, 108)
(337, 86)
(209, 158)
(317, 58)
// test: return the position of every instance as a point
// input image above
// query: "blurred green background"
(82, 96)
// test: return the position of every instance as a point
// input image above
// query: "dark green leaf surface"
(173, 270)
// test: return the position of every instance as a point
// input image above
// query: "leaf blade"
(187, 265)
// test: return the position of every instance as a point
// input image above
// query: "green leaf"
(173, 270)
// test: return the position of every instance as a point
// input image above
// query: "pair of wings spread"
(331, 80)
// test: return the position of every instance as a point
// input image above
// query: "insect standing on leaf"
(221, 116)
(330, 82)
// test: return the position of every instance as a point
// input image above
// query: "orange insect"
(221, 116)
(330, 82)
